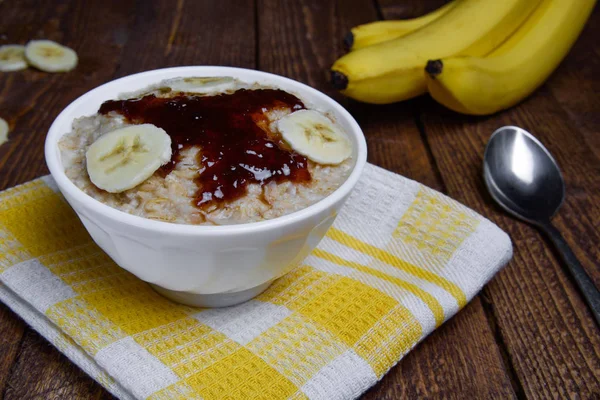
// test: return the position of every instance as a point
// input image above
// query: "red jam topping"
(235, 151)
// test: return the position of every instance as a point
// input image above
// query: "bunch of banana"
(45, 55)
(475, 85)
(393, 70)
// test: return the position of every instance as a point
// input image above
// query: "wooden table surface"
(528, 334)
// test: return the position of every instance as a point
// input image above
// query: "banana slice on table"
(12, 57)
(202, 85)
(315, 136)
(50, 56)
(122, 159)
(3, 131)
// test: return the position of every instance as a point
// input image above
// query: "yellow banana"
(480, 86)
(392, 71)
(381, 31)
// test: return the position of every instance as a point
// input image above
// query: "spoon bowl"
(522, 175)
(523, 178)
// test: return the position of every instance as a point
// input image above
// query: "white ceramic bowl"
(203, 265)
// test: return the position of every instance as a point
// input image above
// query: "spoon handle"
(582, 279)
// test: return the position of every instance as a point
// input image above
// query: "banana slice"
(12, 57)
(313, 135)
(50, 56)
(122, 159)
(3, 131)
(201, 85)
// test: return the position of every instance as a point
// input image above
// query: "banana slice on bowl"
(201, 85)
(12, 57)
(124, 158)
(50, 56)
(315, 136)
(3, 131)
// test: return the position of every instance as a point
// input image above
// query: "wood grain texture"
(576, 84)
(552, 340)
(543, 325)
(435, 368)
(12, 330)
(113, 39)
(458, 361)
(528, 335)
(394, 9)
(187, 32)
(30, 100)
(46, 374)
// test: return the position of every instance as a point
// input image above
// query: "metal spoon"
(525, 180)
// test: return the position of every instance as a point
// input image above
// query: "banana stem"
(434, 67)
(339, 80)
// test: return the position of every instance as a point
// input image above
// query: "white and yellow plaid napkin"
(399, 261)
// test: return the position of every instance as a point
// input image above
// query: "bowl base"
(212, 300)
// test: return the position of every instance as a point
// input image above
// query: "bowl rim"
(57, 130)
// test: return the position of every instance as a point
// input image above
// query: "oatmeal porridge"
(207, 151)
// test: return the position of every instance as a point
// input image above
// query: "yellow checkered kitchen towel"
(399, 260)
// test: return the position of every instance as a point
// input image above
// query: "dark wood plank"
(30, 100)
(576, 84)
(454, 362)
(532, 307)
(461, 359)
(394, 142)
(11, 336)
(113, 39)
(394, 9)
(188, 32)
(47, 374)
(550, 335)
